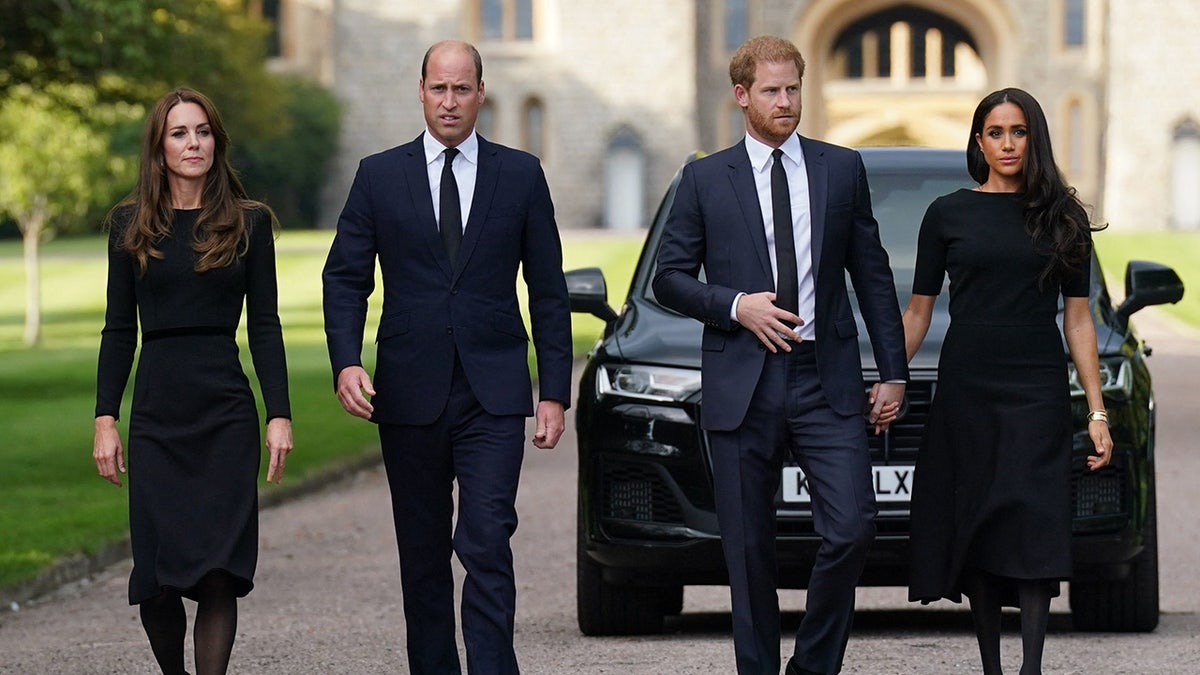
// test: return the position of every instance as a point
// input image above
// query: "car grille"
(636, 492)
(1098, 493)
(902, 439)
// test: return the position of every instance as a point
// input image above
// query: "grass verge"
(54, 505)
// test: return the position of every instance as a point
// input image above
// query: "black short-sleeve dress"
(992, 484)
(194, 441)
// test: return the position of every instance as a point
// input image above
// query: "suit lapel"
(818, 195)
(741, 175)
(416, 174)
(487, 174)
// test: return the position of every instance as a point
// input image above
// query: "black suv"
(647, 525)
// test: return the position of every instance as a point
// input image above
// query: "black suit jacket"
(432, 310)
(716, 223)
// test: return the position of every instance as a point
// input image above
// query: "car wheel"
(608, 609)
(671, 600)
(1128, 605)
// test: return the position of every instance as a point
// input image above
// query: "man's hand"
(757, 313)
(551, 420)
(884, 404)
(352, 382)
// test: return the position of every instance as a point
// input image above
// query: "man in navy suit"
(776, 222)
(452, 386)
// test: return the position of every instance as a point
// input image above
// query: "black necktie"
(450, 209)
(787, 287)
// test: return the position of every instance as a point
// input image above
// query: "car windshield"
(899, 200)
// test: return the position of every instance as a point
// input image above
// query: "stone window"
(1185, 175)
(533, 127)
(1074, 22)
(1074, 141)
(507, 20)
(624, 181)
(736, 23)
(485, 124)
(734, 124)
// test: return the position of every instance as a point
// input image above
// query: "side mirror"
(1147, 284)
(589, 293)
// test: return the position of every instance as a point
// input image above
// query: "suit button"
(762, 347)
(449, 329)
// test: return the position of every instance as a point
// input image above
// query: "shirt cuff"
(733, 307)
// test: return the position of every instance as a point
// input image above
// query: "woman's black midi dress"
(992, 484)
(194, 441)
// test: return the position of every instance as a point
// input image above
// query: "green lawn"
(54, 504)
(1179, 250)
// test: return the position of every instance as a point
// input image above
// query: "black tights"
(216, 626)
(985, 592)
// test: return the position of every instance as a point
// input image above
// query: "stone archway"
(935, 113)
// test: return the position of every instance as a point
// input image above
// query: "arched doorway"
(882, 72)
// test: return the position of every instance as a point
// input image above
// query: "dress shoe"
(793, 669)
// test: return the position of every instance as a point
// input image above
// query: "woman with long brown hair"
(991, 506)
(186, 249)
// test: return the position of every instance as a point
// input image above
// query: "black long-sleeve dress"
(992, 484)
(194, 441)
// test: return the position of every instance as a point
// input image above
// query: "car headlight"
(650, 383)
(1116, 378)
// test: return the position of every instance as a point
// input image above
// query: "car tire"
(1128, 605)
(671, 600)
(607, 609)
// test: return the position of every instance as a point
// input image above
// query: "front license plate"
(892, 484)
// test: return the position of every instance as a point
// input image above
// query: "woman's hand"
(883, 404)
(1098, 430)
(107, 451)
(279, 444)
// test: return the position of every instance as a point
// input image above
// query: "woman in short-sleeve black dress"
(182, 261)
(991, 513)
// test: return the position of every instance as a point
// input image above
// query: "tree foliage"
(132, 51)
(76, 77)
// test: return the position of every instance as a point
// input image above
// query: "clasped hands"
(757, 313)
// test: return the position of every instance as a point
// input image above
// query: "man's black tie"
(450, 208)
(787, 287)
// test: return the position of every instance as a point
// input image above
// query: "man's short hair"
(465, 46)
(762, 49)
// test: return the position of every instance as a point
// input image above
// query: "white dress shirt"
(761, 162)
(465, 167)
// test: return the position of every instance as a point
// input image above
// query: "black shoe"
(793, 669)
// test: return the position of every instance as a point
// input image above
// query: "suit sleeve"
(349, 276)
(871, 275)
(681, 255)
(549, 306)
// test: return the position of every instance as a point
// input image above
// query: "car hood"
(650, 333)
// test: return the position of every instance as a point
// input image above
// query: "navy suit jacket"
(716, 223)
(432, 310)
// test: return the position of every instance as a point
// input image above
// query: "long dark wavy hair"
(1055, 218)
(220, 234)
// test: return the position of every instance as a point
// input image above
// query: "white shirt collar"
(469, 148)
(760, 153)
